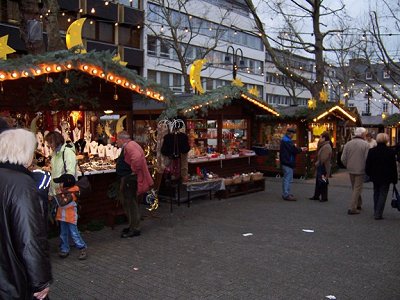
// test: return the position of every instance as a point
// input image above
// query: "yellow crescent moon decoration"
(120, 126)
(194, 75)
(73, 37)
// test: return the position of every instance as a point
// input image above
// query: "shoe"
(82, 254)
(352, 212)
(359, 207)
(323, 200)
(125, 230)
(130, 234)
(63, 254)
(313, 198)
(289, 198)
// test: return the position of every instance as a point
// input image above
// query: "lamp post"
(235, 53)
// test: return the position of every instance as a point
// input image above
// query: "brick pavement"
(200, 252)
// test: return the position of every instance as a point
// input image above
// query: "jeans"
(380, 194)
(287, 180)
(70, 229)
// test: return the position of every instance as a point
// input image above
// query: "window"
(152, 45)
(105, 32)
(368, 75)
(129, 37)
(177, 82)
(164, 79)
(164, 49)
(152, 75)
(386, 74)
(209, 84)
(351, 104)
(385, 107)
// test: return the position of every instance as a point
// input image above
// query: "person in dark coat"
(381, 168)
(323, 167)
(287, 155)
(25, 271)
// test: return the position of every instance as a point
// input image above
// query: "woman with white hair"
(382, 170)
(25, 271)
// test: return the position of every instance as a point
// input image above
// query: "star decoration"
(323, 96)
(312, 104)
(254, 91)
(238, 82)
(4, 48)
(117, 58)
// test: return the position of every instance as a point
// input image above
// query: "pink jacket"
(134, 156)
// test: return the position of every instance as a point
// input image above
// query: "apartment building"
(200, 24)
(366, 92)
(115, 26)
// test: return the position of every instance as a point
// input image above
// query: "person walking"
(135, 180)
(287, 155)
(323, 167)
(370, 140)
(353, 158)
(25, 270)
(381, 169)
(63, 161)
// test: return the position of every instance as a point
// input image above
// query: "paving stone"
(200, 252)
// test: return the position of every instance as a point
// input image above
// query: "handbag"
(83, 182)
(395, 198)
(63, 199)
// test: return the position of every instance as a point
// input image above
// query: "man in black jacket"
(25, 271)
(287, 156)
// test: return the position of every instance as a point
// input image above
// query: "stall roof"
(99, 66)
(320, 112)
(190, 106)
(369, 121)
(392, 120)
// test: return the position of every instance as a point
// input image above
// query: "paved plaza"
(255, 246)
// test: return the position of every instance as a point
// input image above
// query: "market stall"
(88, 98)
(220, 128)
(309, 124)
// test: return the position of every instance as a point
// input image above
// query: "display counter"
(97, 206)
(224, 167)
(269, 163)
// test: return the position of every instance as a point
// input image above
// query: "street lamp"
(235, 56)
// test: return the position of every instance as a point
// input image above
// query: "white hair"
(124, 135)
(360, 131)
(17, 146)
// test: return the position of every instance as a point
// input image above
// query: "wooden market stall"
(221, 129)
(58, 91)
(309, 124)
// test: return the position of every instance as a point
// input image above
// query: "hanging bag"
(395, 198)
(83, 182)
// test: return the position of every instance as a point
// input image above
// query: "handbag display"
(395, 198)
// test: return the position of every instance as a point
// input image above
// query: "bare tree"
(54, 40)
(294, 12)
(178, 30)
(341, 76)
(376, 54)
(31, 25)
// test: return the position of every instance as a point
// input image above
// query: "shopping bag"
(395, 198)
